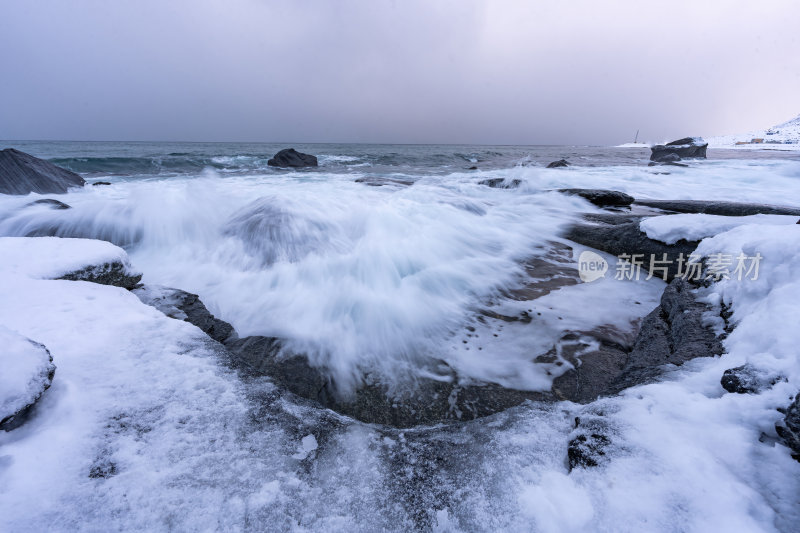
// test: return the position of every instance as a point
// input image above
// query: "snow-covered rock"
(691, 147)
(670, 229)
(72, 259)
(26, 371)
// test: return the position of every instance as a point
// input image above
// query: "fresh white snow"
(24, 370)
(53, 257)
(670, 229)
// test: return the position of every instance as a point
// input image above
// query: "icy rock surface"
(26, 371)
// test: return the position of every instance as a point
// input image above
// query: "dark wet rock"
(425, 402)
(789, 428)
(501, 183)
(672, 163)
(115, 273)
(430, 402)
(668, 158)
(96, 183)
(588, 443)
(594, 371)
(587, 365)
(16, 407)
(615, 219)
(185, 306)
(730, 209)
(747, 379)
(51, 203)
(290, 157)
(544, 274)
(473, 168)
(673, 333)
(262, 356)
(558, 164)
(601, 197)
(22, 173)
(628, 239)
(689, 147)
(380, 181)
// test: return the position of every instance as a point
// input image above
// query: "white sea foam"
(325, 159)
(360, 278)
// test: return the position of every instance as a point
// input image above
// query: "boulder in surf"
(22, 173)
(291, 158)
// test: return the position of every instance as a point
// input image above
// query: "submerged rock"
(96, 183)
(51, 203)
(290, 157)
(558, 164)
(185, 306)
(270, 232)
(789, 428)
(688, 147)
(601, 197)
(380, 181)
(501, 183)
(26, 371)
(22, 173)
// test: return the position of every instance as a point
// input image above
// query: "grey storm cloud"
(492, 72)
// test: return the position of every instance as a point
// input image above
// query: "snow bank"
(25, 369)
(54, 257)
(765, 310)
(695, 457)
(670, 229)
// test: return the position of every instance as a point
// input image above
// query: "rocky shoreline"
(609, 362)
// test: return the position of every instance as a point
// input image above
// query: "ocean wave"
(326, 159)
(173, 163)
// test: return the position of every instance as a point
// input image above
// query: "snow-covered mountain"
(784, 136)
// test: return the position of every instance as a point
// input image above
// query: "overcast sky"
(407, 71)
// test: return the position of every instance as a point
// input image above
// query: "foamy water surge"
(361, 279)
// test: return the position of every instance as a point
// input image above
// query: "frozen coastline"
(146, 426)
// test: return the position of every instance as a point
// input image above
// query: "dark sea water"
(130, 159)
